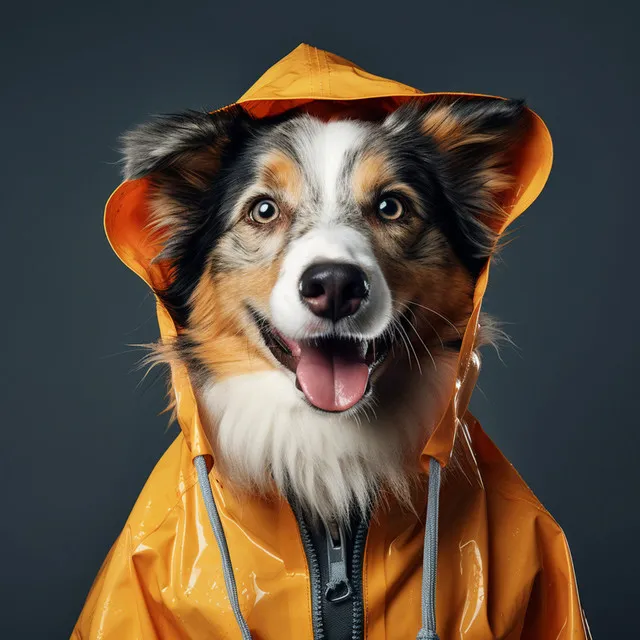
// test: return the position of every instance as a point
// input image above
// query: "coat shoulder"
(163, 493)
(500, 478)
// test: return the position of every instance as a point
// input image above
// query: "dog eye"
(390, 208)
(264, 211)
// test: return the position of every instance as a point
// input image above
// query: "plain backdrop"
(81, 431)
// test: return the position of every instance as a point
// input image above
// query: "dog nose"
(333, 290)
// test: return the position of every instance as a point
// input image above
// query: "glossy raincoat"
(504, 567)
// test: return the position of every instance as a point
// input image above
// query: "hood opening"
(327, 86)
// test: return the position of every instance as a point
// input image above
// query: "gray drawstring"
(430, 557)
(216, 525)
(429, 565)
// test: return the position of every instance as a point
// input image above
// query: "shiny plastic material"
(505, 570)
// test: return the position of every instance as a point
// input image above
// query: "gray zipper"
(314, 576)
(339, 587)
(358, 566)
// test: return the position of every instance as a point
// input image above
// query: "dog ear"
(181, 156)
(477, 138)
(476, 141)
(187, 145)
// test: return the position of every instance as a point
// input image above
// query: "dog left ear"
(476, 142)
(477, 138)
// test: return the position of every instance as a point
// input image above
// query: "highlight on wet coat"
(479, 559)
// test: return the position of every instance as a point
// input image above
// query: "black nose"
(332, 290)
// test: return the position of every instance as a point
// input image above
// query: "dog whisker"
(453, 326)
(425, 346)
(429, 323)
(408, 344)
(396, 332)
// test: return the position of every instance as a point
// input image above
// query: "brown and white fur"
(245, 207)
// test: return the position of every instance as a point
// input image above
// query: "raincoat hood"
(325, 84)
(194, 560)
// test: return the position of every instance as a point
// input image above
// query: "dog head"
(322, 275)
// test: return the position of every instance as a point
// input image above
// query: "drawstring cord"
(430, 556)
(216, 525)
(429, 564)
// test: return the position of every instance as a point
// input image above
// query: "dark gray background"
(80, 433)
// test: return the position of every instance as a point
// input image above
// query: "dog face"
(322, 272)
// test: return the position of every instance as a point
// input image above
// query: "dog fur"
(444, 164)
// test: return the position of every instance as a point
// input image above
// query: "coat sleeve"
(554, 611)
(116, 606)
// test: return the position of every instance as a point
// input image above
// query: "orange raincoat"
(505, 570)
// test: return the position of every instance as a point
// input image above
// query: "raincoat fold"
(505, 569)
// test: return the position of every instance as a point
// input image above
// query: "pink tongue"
(332, 377)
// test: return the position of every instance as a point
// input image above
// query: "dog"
(323, 272)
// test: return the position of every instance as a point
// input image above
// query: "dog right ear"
(185, 146)
(181, 155)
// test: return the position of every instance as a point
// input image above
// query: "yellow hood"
(325, 84)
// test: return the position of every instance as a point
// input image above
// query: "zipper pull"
(338, 588)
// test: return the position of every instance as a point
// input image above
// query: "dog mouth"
(333, 372)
